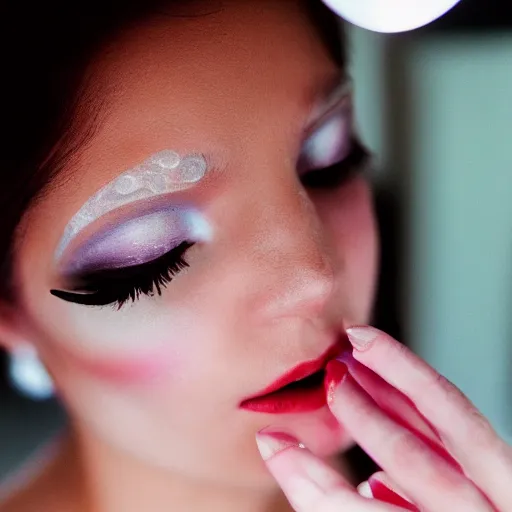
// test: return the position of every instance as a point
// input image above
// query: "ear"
(14, 333)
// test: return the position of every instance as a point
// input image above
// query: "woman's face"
(250, 102)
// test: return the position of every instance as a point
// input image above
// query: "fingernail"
(365, 490)
(271, 443)
(335, 372)
(382, 493)
(361, 337)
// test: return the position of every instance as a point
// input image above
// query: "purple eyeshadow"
(133, 242)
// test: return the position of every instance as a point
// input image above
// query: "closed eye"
(120, 285)
(335, 175)
(331, 154)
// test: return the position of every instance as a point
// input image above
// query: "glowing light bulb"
(391, 15)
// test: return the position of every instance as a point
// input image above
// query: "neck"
(116, 482)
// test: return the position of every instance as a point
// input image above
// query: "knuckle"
(478, 428)
(402, 349)
(505, 451)
(447, 387)
(399, 350)
(481, 431)
(447, 390)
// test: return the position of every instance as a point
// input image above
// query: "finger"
(431, 481)
(467, 435)
(396, 405)
(390, 400)
(310, 484)
(381, 487)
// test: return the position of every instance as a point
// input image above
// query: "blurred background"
(435, 106)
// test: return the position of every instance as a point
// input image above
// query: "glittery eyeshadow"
(138, 241)
(162, 173)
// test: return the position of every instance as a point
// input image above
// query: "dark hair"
(46, 47)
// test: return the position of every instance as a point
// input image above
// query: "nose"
(293, 276)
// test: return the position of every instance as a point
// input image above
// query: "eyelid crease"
(359, 161)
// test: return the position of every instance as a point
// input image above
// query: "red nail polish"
(335, 372)
(383, 493)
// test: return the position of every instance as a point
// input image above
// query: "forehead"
(223, 79)
(208, 73)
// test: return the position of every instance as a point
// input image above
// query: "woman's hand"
(435, 448)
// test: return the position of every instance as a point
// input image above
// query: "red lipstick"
(301, 389)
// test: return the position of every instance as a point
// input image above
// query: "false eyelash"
(118, 286)
(337, 174)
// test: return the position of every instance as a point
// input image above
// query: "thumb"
(309, 483)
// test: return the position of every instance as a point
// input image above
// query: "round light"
(391, 15)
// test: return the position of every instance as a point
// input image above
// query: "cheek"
(145, 370)
(85, 379)
(82, 347)
(152, 349)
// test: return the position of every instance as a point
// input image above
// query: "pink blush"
(144, 369)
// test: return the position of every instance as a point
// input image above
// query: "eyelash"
(119, 286)
(340, 172)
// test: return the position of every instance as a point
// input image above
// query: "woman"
(187, 236)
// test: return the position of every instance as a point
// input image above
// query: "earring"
(28, 374)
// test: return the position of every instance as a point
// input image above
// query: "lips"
(299, 390)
